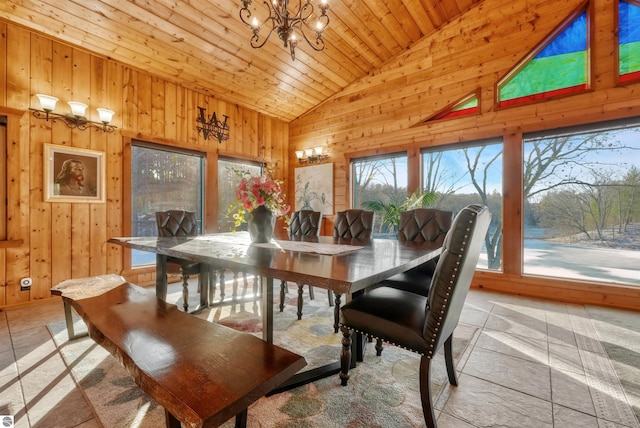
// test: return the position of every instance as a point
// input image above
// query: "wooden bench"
(202, 373)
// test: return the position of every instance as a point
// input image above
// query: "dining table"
(344, 266)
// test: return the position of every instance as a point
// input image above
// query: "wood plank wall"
(383, 113)
(50, 242)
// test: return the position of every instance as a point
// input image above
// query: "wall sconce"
(313, 155)
(212, 127)
(76, 119)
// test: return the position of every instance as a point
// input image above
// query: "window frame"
(128, 194)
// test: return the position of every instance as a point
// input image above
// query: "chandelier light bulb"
(255, 23)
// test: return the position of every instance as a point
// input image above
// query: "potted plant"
(389, 211)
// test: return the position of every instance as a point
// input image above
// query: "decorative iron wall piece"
(212, 127)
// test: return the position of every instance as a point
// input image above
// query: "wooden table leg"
(171, 421)
(241, 419)
(161, 277)
(266, 284)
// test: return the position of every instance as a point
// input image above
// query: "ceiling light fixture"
(76, 119)
(311, 155)
(287, 24)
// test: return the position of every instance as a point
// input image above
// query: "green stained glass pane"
(469, 104)
(559, 68)
(546, 75)
(629, 41)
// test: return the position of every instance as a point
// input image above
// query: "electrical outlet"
(25, 284)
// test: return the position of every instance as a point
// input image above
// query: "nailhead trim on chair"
(442, 309)
(451, 282)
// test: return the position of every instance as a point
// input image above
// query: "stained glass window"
(468, 105)
(629, 41)
(559, 68)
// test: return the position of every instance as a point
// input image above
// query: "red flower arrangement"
(256, 191)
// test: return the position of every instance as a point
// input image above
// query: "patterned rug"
(382, 392)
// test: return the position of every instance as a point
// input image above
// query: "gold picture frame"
(72, 174)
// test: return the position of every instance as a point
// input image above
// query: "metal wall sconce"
(313, 155)
(212, 127)
(76, 119)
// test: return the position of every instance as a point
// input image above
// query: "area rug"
(382, 392)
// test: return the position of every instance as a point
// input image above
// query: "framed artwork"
(314, 188)
(73, 174)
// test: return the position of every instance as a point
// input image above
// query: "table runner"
(310, 247)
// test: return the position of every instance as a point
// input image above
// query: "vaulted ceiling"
(204, 45)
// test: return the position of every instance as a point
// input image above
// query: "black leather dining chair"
(353, 224)
(422, 324)
(180, 223)
(303, 223)
(420, 225)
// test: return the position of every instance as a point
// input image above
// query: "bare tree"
(628, 201)
(438, 178)
(478, 168)
(562, 212)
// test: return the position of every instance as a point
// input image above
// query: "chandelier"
(289, 25)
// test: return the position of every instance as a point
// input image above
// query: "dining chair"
(303, 223)
(421, 324)
(354, 223)
(420, 225)
(180, 223)
(350, 224)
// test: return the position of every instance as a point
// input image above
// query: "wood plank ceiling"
(202, 44)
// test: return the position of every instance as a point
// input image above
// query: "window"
(559, 68)
(629, 40)
(381, 179)
(162, 179)
(468, 175)
(582, 203)
(466, 106)
(228, 182)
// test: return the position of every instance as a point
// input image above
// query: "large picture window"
(162, 179)
(469, 175)
(582, 203)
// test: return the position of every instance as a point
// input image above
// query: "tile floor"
(533, 363)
